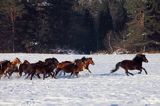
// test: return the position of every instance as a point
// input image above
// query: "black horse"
(135, 64)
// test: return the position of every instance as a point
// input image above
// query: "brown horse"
(23, 67)
(13, 67)
(135, 64)
(70, 67)
(52, 64)
(52, 61)
(37, 68)
(88, 61)
(61, 65)
(28, 68)
(3, 66)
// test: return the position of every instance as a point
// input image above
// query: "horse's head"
(142, 57)
(90, 61)
(16, 61)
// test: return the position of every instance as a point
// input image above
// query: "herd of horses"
(51, 67)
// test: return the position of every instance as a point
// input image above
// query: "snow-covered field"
(96, 89)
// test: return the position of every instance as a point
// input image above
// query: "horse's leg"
(20, 73)
(77, 74)
(127, 72)
(5, 72)
(87, 67)
(71, 74)
(38, 76)
(57, 71)
(1, 74)
(145, 70)
(44, 74)
(89, 71)
(10, 74)
(130, 73)
(140, 71)
(28, 75)
(53, 75)
(32, 76)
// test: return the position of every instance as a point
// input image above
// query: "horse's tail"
(116, 68)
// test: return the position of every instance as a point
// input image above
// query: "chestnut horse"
(135, 64)
(61, 65)
(88, 61)
(70, 67)
(14, 67)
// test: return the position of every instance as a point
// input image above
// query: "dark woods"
(82, 25)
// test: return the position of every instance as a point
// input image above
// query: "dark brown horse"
(3, 66)
(52, 61)
(23, 68)
(135, 64)
(40, 67)
(52, 64)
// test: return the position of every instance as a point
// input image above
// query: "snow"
(96, 89)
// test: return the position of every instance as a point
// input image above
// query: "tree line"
(81, 25)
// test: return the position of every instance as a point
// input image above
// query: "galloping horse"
(88, 61)
(38, 68)
(52, 64)
(3, 66)
(61, 65)
(71, 67)
(13, 67)
(23, 67)
(135, 64)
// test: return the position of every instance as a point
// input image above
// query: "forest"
(84, 26)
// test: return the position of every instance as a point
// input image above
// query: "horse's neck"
(80, 65)
(138, 62)
(15, 64)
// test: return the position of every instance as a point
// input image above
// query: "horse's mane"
(138, 58)
(26, 61)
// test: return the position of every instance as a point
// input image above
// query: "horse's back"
(63, 64)
(52, 60)
(128, 64)
(70, 67)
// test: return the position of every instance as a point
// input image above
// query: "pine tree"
(11, 10)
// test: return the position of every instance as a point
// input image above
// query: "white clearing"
(96, 89)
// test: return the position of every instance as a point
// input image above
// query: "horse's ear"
(83, 58)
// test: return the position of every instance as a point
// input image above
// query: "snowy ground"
(96, 89)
